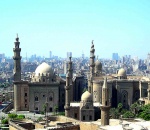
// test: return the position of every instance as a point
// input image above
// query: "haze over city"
(62, 26)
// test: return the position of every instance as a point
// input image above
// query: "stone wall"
(21, 125)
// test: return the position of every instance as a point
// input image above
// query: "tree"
(144, 112)
(44, 108)
(12, 115)
(4, 121)
(135, 108)
(128, 114)
(114, 113)
(120, 107)
(55, 109)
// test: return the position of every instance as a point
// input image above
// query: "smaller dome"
(122, 72)
(98, 64)
(86, 96)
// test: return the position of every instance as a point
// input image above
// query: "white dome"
(86, 96)
(98, 65)
(44, 69)
(122, 72)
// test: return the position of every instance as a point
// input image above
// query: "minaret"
(67, 98)
(17, 75)
(70, 70)
(92, 67)
(17, 60)
(105, 104)
(92, 59)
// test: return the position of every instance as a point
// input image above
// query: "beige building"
(45, 87)
(121, 88)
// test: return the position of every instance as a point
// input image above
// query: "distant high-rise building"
(69, 54)
(50, 54)
(115, 56)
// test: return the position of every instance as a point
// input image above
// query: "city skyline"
(65, 26)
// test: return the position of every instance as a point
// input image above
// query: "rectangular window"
(83, 118)
(25, 94)
(75, 115)
(90, 118)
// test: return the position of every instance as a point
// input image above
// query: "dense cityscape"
(67, 84)
(74, 65)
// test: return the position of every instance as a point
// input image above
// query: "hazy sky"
(59, 26)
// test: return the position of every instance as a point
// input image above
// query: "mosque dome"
(98, 65)
(44, 69)
(122, 73)
(86, 96)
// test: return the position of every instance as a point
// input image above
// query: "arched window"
(36, 98)
(124, 99)
(50, 98)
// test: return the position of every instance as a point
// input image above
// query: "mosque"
(104, 91)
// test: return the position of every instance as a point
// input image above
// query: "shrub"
(128, 114)
(4, 121)
(20, 117)
(12, 115)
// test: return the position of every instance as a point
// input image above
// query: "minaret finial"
(70, 58)
(92, 41)
(17, 39)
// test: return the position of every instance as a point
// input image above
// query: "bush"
(20, 117)
(61, 113)
(4, 121)
(145, 112)
(12, 115)
(128, 114)
(39, 119)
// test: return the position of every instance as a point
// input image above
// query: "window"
(75, 115)
(25, 105)
(83, 117)
(43, 95)
(50, 98)
(25, 94)
(25, 100)
(90, 118)
(50, 109)
(43, 80)
(36, 98)
(36, 109)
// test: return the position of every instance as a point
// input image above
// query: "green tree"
(144, 112)
(4, 121)
(135, 108)
(120, 107)
(114, 113)
(20, 117)
(12, 115)
(128, 114)
(55, 109)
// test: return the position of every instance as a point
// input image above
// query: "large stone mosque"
(104, 91)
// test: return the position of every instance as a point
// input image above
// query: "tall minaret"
(67, 98)
(70, 70)
(105, 104)
(92, 59)
(92, 66)
(17, 75)
(17, 60)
